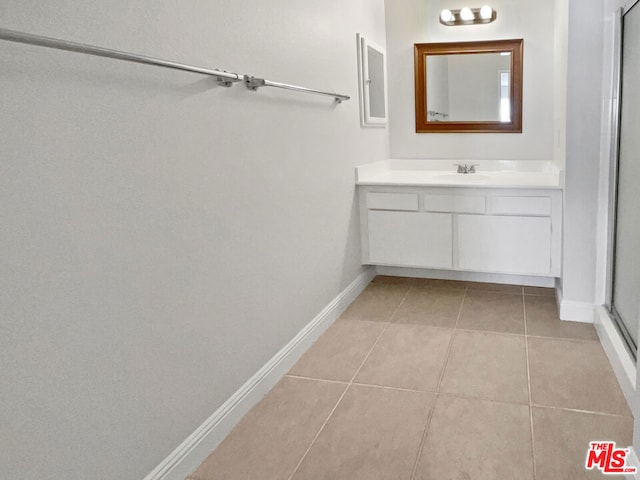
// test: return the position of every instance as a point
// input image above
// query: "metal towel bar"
(224, 78)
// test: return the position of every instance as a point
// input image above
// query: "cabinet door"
(412, 239)
(504, 244)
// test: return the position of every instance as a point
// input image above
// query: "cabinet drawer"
(521, 206)
(454, 203)
(392, 201)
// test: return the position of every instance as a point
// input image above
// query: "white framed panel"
(412, 239)
(504, 244)
(372, 76)
(454, 203)
(392, 201)
(517, 205)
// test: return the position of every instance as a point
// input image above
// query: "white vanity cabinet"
(495, 230)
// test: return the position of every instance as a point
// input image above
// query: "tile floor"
(435, 380)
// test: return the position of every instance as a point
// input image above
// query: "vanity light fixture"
(468, 16)
(446, 16)
(486, 12)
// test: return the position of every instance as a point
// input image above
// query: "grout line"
(348, 385)
(326, 380)
(492, 332)
(440, 378)
(387, 387)
(526, 350)
(566, 339)
(577, 410)
(453, 334)
(510, 334)
(424, 437)
(449, 329)
(481, 399)
(304, 455)
(432, 392)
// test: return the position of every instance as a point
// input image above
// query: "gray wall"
(163, 237)
(584, 103)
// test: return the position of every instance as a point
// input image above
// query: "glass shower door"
(625, 304)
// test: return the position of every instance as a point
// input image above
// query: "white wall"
(163, 237)
(560, 48)
(584, 103)
(416, 21)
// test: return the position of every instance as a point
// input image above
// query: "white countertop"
(489, 173)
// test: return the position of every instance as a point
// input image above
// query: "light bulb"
(466, 14)
(486, 12)
(446, 16)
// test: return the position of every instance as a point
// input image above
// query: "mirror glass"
(375, 80)
(454, 95)
(469, 86)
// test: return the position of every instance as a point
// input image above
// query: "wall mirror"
(469, 86)
(372, 82)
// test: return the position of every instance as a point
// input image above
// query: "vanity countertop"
(442, 173)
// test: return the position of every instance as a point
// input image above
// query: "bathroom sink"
(491, 173)
(462, 177)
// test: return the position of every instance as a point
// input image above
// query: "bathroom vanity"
(506, 218)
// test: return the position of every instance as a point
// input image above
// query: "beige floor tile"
(542, 320)
(573, 374)
(477, 440)
(561, 439)
(437, 307)
(495, 287)
(547, 292)
(377, 302)
(407, 356)
(374, 433)
(339, 352)
(480, 428)
(270, 440)
(488, 365)
(492, 311)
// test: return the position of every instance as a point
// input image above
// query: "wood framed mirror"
(469, 87)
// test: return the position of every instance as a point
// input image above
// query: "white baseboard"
(195, 448)
(574, 311)
(620, 360)
(530, 281)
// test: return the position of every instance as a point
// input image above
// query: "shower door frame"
(628, 340)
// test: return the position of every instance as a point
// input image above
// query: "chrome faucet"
(464, 168)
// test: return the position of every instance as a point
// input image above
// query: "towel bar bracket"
(226, 81)
(254, 83)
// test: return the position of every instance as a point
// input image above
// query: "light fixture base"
(476, 20)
